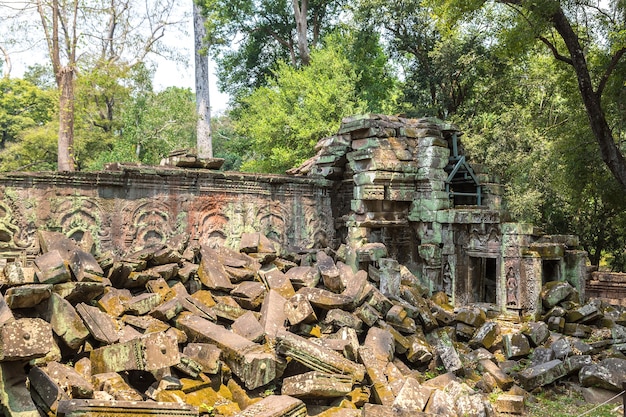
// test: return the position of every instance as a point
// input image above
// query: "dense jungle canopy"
(538, 87)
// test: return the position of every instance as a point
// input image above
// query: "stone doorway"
(483, 274)
(550, 270)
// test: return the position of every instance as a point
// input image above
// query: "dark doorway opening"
(483, 276)
(550, 271)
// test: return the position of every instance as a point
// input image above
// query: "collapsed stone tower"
(406, 183)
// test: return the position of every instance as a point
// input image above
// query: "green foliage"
(22, 105)
(153, 124)
(265, 32)
(227, 144)
(36, 150)
(285, 120)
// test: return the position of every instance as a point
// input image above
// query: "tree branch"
(555, 52)
(609, 70)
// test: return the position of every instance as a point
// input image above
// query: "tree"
(22, 106)
(121, 30)
(153, 124)
(203, 102)
(285, 119)
(252, 36)
(585, 36)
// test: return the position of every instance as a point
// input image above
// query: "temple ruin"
(405, 183)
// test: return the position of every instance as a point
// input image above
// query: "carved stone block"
(316, 384)
(150, 352)
(25, 339)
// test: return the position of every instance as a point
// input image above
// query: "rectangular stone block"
(316, 384)
(149, 352)
(25, 339)
(275, 406)
(249, 361)
(99, 408)
(52, 268)
(102, 327)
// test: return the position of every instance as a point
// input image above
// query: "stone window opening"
(483, 277)
(462, 184)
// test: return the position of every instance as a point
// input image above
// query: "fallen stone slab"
(413, 396)
(542, 374)
(66, 322)
(45, 392)
(554, 292)
(52, 268)
(503, 380)
(102, 327)
(316, 384)
(376, 410)
(27, 296)
(15, 398)
(486, 335)
(248, 360)
(516, 345)
(149, 352)
(609, 374)
(512, 404)
(25, 339)
(99, 408)
(275, 406)
(317, 357)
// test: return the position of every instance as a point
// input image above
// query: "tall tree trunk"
(300, 11)
(66, 120)
(203, 103)
(611, 154)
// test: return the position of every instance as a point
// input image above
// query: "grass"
(568, 404)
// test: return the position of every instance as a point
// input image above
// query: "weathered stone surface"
(73, 383)
(329, 272)
(446, 351)
(515, 345)
(27, 296)
(316, 384)
(303, 276)
(412, 397)
(503, 380)
(249, 294)
(316, 357)
(273, 315)
(85, 267)
(609, 374)
(45, 392)
(554, 292)
(52, 268)
(207, 355)
(101, 326)
(15, 398)
(65, 322)
(513, 404)
(536, 332)
(99, 408)
(149, 352)
(275, 406)
(248, 361)
(486, 335)
(298, 310)
(542, 374)
(25, 339)
(249, 327)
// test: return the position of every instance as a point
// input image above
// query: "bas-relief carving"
(15, 232)
(77, 216)
(148, 221)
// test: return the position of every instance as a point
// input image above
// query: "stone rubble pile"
(181, 330)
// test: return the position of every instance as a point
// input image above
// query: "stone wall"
(124, 210)
(401, 184)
